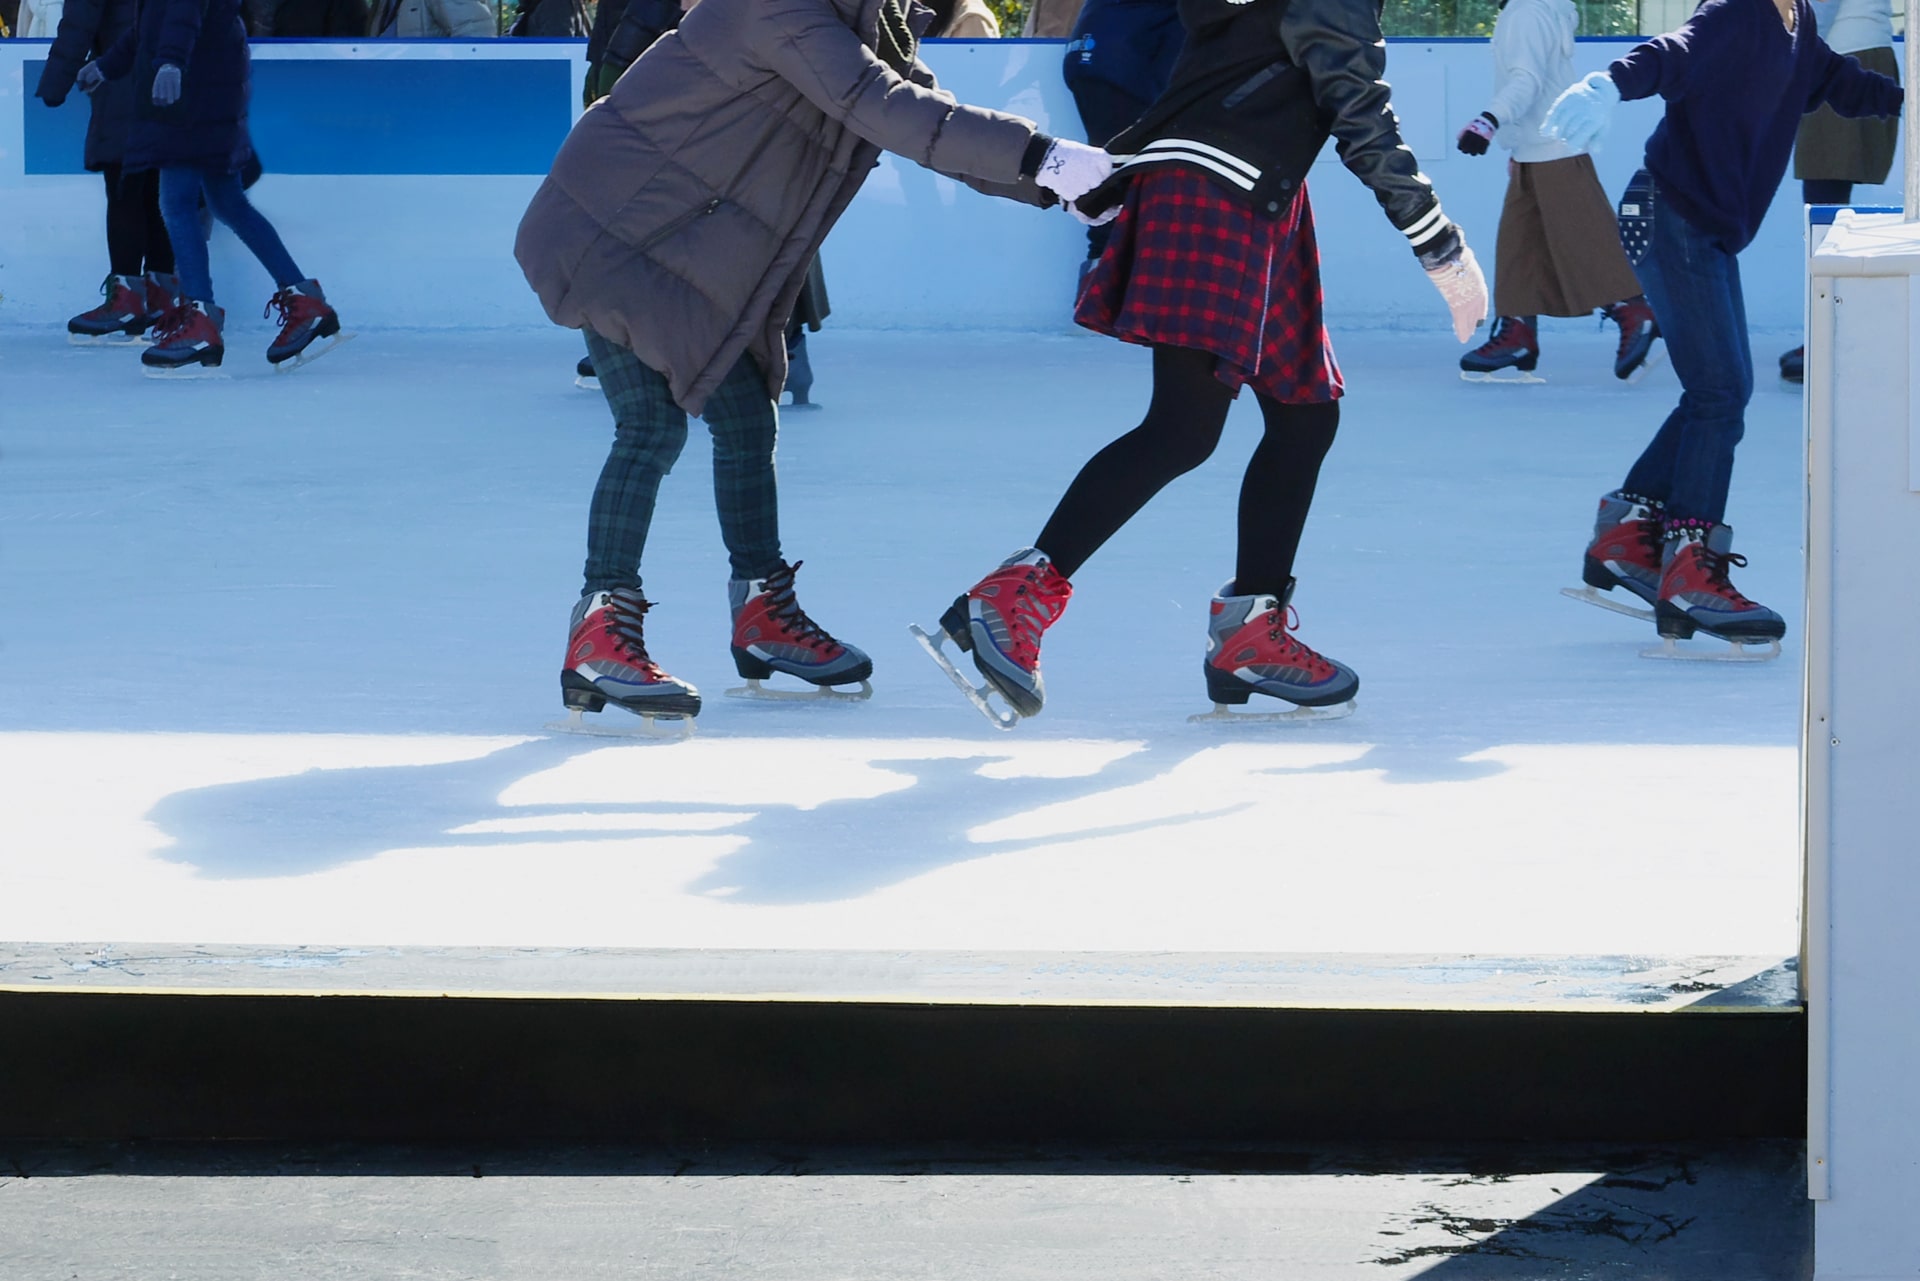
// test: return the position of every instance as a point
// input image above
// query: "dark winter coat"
(1259, 87)
(207, 127)
(309, 19)
(88, 29)
(1130, 44)
(684, 208)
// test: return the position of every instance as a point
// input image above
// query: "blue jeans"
(181, 187)
(1693, 282)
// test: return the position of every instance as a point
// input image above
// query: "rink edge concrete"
(115, 1065)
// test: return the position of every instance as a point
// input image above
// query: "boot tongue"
(1720, 539)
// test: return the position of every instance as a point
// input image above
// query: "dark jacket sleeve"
(1665, 65)
(118, 61)
(179, 32)
(79, 28)
(1843, 84)
(1339, 45)
(348, 18)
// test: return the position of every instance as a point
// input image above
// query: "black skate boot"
(584, 377)
(1508, 356)
(1638, 330)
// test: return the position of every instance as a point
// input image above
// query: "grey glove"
(90, 78)
(166, 85)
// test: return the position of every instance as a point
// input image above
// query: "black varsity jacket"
(1258, 89)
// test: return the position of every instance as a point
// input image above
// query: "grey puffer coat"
(683, 209)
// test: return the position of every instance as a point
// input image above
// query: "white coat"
(1532, 64)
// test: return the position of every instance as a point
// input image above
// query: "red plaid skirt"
(1189, 266)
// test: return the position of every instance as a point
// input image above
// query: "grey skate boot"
(771, 633)
(1627, 546)
(1251, 650)
(1695, 593)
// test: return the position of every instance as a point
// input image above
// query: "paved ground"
(211, 1213)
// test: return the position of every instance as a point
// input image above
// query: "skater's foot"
(1001, 621)
(1638, 329)
(1251, 649)
(1628, 547)
(800, 372)
(607, 660)
(1508, 355)
(163, 295)
(304, 317)
(771, 633)
(1696, 594)
(1793, 365)
(122, 316)
(187, 335)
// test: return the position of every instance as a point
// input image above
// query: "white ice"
(275, 653)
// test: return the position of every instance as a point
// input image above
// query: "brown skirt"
(1559, 251)
(1837, 149)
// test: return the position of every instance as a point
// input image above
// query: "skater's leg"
(1826, 191)
(159, 245)
(180, 187)
(1182, 426)
(228, 200)
(1277, 491)
(126, 222)
(746, 494)
(1694, 286)
(649, 431)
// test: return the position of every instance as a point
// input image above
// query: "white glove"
(1098, 220)
(1464, 288)
(1071, 169)
(1580, 116)
(90, 78)
(166, 85)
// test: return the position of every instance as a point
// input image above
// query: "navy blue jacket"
(207, 128)
(1130, 44)
(88, 28)
(1736, 83)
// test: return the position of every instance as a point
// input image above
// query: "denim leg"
(1693, 284)
(180, 210)
(228, 200)
(745, 491)
(649, 431)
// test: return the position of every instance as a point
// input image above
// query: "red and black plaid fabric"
(1189, 266)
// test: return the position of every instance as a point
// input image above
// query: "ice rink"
(276, 654)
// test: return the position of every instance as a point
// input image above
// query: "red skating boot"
(1638, 329)
(1507, 356)
(186, 341)
(771, 633)
(1000, 622)
(1251, 649)
(1628, 550)
(607, 661)
(120, 320)
(305, 318)
(163, 295)
(1696, 595)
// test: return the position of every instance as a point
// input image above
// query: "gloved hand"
(52, 99)
(1478, 133)
(166, 85)
(89, 79)
(1457, 276)
(1071, 169)
(1098, 220)
(1579, 117)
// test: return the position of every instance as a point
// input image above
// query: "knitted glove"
(166, 85)
(1457, 276)
(89, 79)
(1478, 133)
(1097, 220)
(1071, 169)
(1579, 117)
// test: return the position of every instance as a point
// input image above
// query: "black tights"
(1825, 191)
(136, 237)
(1182, 426)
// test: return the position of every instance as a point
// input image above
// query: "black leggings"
(136, 237)
(1182, 426)
(1826, 191)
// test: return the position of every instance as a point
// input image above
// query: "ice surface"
(275, 653)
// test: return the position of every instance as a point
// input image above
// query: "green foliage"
(1011, 14)
(1476, 17)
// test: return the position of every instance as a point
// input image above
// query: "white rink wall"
(915, 251)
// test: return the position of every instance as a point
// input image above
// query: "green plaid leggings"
(649, 431)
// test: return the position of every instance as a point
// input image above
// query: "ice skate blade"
(313, 351)
(1593, 596)
(811, 694)
(670, 729)
(107, 340)
(185, 373)
(1738, 652)
(1655, 357)
(934, 643)
(805, 406)
(585, 383)
(1298, 716)
(1504, 377)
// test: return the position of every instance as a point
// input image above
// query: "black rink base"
(86, 1065)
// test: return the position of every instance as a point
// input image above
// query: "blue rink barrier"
(380, 116)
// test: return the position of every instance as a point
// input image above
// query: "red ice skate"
(1251, 649)
(607, 662)
(1697, 595)
(1638, 329)
(1000, 622)
(771, 633)
(1509, 354)
(1628, 545)
(305, 318)
(120, 320)
(186, 341)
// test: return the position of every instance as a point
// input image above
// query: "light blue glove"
(166, 85)
(1580, 116)
(90, 79)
